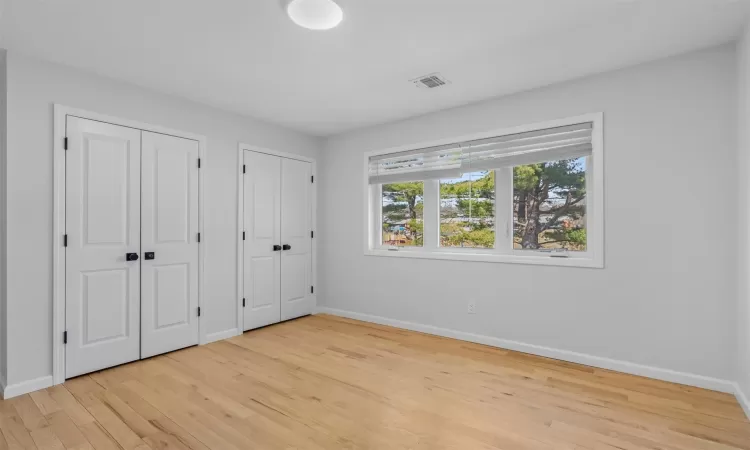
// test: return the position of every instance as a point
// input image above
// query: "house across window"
(531, 196)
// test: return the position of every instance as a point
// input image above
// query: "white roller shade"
(423, 164)
(451, 161)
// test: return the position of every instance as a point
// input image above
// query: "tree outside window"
(403, 207)
(549, 205)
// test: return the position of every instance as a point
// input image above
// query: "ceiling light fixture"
(315, 14)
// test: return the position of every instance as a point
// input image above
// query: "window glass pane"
(549, 205)
(467, 217)
(403, 205)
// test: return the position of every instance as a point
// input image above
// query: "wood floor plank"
(29, 413)
(44, 402)
(157, 419)
(69, 405)
(45, 439)
(67, 431)
(326, 382)
(113, 421)
(15, 433)
(186, 417)
(98, 437)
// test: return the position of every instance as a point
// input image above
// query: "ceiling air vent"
(431, 81)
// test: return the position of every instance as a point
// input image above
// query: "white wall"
(33, 87)
(743, 128)
(667, 295)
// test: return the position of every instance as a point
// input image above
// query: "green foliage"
(479, 208)
(576, 236)
(526, 178)
(410, 193)
(417, 229)
(455, 235)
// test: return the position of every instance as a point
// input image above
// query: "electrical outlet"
(472, 308)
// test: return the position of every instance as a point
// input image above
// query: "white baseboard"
(24, 387)
(658, 373)
(218, 336)
(743, 399)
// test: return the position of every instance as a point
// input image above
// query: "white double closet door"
(277, 246)
(132, 246)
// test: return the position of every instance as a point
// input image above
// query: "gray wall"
(3, 203)
(667, 297)
(33, 87)
(743, 316)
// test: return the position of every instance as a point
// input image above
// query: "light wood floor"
(329, 383)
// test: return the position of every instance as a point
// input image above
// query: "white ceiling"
(246, 56)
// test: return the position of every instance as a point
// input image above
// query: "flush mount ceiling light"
(315, 14)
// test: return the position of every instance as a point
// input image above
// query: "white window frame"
(503, 252)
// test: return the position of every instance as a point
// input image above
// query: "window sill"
(538, 260)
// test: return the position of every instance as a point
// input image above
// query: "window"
(529, 195)
(549, 205)
(403, 205)
(467, 217)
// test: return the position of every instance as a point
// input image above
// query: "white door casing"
(102, 225)
(169, 243)
(296, 261)
(262, 231)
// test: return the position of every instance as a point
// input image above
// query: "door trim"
(58, 223)
(240, 223)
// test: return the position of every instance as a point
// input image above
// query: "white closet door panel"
(102, 306)
(169, 231)
(262, 213)
(296, 217)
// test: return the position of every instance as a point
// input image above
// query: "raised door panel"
(262, 213)
(171, 296)
(169, 233)
(296, 219)
(104, 292)
(102, 304)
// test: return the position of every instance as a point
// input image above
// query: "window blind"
(452, 161)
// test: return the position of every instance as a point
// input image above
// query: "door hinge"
(243, 302)
(65, 240)
(312, 178)
(312, 289)
(65, 143)
(244, 168)
(199, 311)
(199, 238)
(65, 337)
(312, 234)
(243, 235)
(199, 163)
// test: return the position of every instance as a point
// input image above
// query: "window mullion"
(504, 210)
(431, 214)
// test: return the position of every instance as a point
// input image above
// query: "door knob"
(277, 248)
(286, 247)
(131, 256)
(149, 255)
